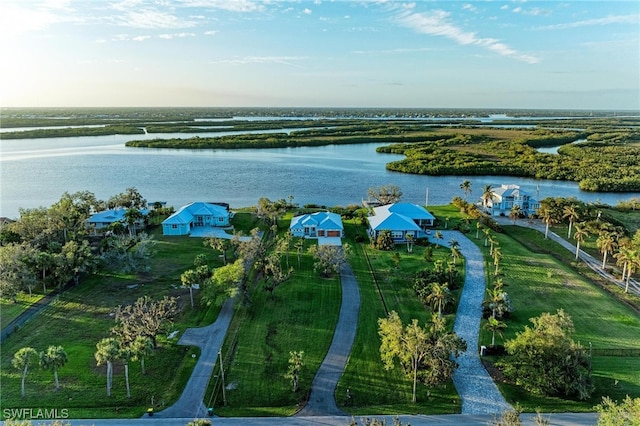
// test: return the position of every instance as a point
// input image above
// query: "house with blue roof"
(401, 219)
(505, 197)
(101, 221)
(317, 225)
(195, 215)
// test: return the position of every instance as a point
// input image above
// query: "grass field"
(81, 316)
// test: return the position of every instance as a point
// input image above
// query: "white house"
(198, 214)
(401, 219)
(507, 196)
(317, 225)
(101, 221)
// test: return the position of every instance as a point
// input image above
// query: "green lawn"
(10, 310)
(371, 388)
(538, 280)
(83, 315)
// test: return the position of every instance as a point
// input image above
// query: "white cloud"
(141, 38)
(470, 7)
(152, 19)
(229, 5)
(436, 23)
(517, 10)
(307, 11)
(608, 20)
(211, 32)
(284, 60)
(176, 35)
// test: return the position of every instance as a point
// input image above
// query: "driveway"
(478, 392)
(322, 400)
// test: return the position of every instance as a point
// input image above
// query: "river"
(35, 172)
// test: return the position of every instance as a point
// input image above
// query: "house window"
(321, 233)
(174, 226)
(221, 219)
(397, 235)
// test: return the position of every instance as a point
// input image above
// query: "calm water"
(35, 172)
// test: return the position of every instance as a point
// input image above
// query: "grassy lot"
(10, 310)
(81, 316)
(371, 388)
(538, 280)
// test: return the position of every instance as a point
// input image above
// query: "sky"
(320, 53)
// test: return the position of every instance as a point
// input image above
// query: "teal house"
(401, 219)
(196, 216)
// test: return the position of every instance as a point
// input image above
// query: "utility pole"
(224, 395)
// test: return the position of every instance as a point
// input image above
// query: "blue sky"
(431, 54)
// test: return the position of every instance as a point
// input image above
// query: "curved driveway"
(478, 392)
(322, 400)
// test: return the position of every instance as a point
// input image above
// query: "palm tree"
(125, 354)
(570, 212)
(456, 254)
(189, 279)
(107, 351)
(439, 297)
(606, 243)
(580, 234)
(494, 326)
(487, 196)
(514, 213)
(632, 264)
(438, 236)
(142, 347)
(54, 358)
(466, 188)
(131, 216)
(497, 255)
(478, 227)
(409, 238)
(487, 235)
(492, 242)
(548, 216)
(22, 361)
(622, 259)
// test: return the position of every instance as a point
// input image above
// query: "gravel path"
(479, 393)
(322, 400)
(590, 261)
(209, 339)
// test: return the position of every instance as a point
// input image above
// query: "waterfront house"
(401, 219)
(317, 225)
(507, 196)
(198, 214)
(101, 221)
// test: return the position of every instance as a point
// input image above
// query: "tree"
(75, 258)
(224, 283)
(498, 301)
(274, 273)
(329, 259)
(131, 217)
(494, 326)
(219, 244)
(409, 238)
(424, 353)
(299, 246)
(624, 413)
(580, 234)
(570, 212)
(189, 279)
(22, 361)
(548, 215)
(270, 211)
(488, 195)
(107, 351)
(125, 354)
(142, 347)
(438, 236)
(544, 359)
(466, 188)
(54, 358)
(296, 362)
(478, 228)
(607, 244)
(385, 194)
(514, 213)
(439, 296)
(497, 255)
(384, 241)
(146, 317)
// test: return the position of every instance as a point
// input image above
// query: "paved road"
(590, 261)
(322, 398)
(556, 419)
(209, 339)
(478, 392)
